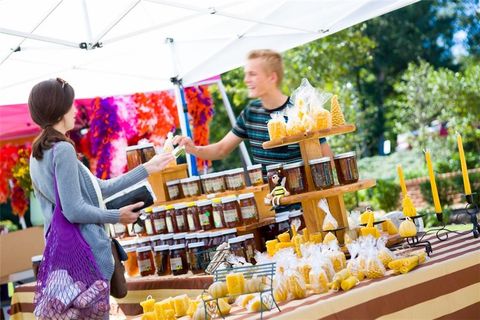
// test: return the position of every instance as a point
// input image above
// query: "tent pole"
(243, 149)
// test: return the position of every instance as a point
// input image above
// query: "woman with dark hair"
(51, 105)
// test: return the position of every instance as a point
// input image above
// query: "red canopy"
(15, 122)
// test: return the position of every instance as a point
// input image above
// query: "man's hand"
(187, 142)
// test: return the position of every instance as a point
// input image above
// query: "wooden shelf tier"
(337, 190)
(346, 128)
(251, 227)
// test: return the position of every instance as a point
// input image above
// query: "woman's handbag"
(118, 283)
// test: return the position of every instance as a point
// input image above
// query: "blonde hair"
(273, 61)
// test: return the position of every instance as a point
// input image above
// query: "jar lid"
(293, 165)
(180, 235)
(167, 236)
(156, 237)
(229, 231)
(158, 209)
(134, 147)
(37, 258)
(217, 174)
(228, 199)
(172, 182)
(179, 206)
(206, 176)
(148, 210)
(196, 244)
(281, 218)
(169, 207)
(203, 235)
(191, 236)
(145, 145)
(295, 213)
(248, 236)
(191, 204)
(246, 196)
(144, 249)
(128, 242)
(217, 200)
(130, 249)
(319, 160)
(274, 166)
(177, 246)
(254, 167)
(235, 240)
(143, 240)
(215, 234)
(161, 248)
(345, 155)
(236, 171)
(201, 203)
(191, 179)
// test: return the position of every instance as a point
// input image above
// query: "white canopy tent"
(109, 47)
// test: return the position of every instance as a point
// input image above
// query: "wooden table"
(447, 286)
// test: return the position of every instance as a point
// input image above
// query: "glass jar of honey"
(218, 182)
(235, 179)
(191, 187)
(296, 179)
(178, 259)
(134, 158)
(255, 174)
(346, 167)
(249, 246)
(248, 208)
(218, 218)
(193, 218)
(145, 261)
(162, 257)
(205, 213)
(180, 221)
(195, 257)
(322, 173)
(157, 219)
(170, 219)
(174, 190)
(231, 212)
(131, 264)
(179, 238)
(166, 239)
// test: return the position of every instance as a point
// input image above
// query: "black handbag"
(118, 283)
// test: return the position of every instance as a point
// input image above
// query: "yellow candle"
(402, 180)
(433, 184)
(466, 181)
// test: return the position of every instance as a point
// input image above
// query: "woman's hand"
(159, 162)
(130, 213)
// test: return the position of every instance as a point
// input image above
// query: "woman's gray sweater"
(78, 198)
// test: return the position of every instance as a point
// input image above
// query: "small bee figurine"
(278, 191)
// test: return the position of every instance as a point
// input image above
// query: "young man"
(263, 77)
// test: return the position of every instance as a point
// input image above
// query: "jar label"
(119, 228)
(249, 253)
(173, 191)
(204, 219)
(145, 265)
(256, 177)
(176, 263)
(169, 224)
(191, 222)
(217, 219)
(180, 222)
(160, 224)
(230, 215)
(148, 227)
(249, 212)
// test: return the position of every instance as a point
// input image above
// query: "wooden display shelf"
(337, 190)
(346, 128)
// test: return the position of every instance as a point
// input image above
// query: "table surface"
(446, 286)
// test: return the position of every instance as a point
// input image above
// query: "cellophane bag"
(69, 282)
(329, 222)
(277, 127)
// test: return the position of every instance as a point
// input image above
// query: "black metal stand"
(472, 210)
(334, 231)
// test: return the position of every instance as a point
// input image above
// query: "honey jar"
(231, 212)
(162, 257)
(174, 189)
(145, 261)
(178, 259)
(248, 208)
(193, 218)
(191, 187)
(296, 179)
(180, 221)
(205, 213)
(195, 258)
(322, 173)
(346, 167)
(255, 174)
(157, 219)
